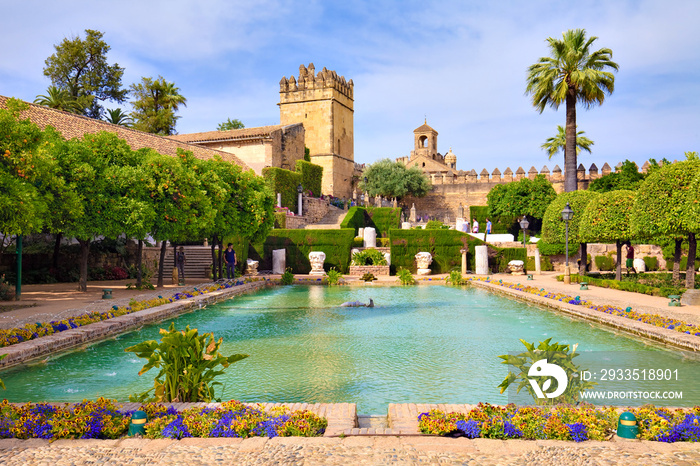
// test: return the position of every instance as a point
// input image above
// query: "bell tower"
(425, 141)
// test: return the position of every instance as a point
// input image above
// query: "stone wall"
(598, 249)
(314, 209)
(360, 270)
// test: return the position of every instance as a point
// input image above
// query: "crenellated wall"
(470, 188)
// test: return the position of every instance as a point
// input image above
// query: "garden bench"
(675, 300)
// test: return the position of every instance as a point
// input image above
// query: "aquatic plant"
(188, 365)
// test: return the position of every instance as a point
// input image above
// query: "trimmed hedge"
(444, 245)
(311, 176)
(505, 255)
(284, 182)
(499, 225)
(545, 264)
(663, 291)
(240, 245)
(281, 220)
(605, 263)
(299, 243)
(651, 263)
(381, 219)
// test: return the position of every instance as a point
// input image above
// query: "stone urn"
(516, 267)
(317, 258)
(251, 267)
(423, 261)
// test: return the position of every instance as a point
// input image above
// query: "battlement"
(556, 175)
(309, 80)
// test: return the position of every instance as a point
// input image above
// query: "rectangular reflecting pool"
(420, 344)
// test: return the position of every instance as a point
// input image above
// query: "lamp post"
(567, 214)
(523, 225)
(299, 190)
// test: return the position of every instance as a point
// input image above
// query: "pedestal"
(464, 260)
(370, 237)
(317, 258)
(482, 260)
(538, 262)
(279, 260)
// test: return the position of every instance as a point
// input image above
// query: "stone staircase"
(330, 221)
(197, 265)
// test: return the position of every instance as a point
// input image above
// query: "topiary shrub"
(605, 263)
(311, 176)
(358, 242)
(651, 263)
(368, 257)
(436, 225)
(545, 264)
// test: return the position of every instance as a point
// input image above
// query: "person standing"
(630, 259)
(180, 261)
(488, 226)
(230, 260)
(475, 226)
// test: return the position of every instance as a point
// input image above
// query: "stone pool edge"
(632, 327)
(31, 350)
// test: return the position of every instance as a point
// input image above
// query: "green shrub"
(651, 263)
(281, 220)
(334, 277)
(436, 225)
(443, 245)
(631, 286)
(287, 277)
(505, 255)
(455, 278)
(311, 176)
(605, 263)
(368, 257)
(545, 264)
(381, 219)
(6, 292)
(368, 277)
(405, 277)
(284, 182)
(383, 242)
(355, 218)
(336, 244)
(358, 242)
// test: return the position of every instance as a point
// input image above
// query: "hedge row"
(311, 176)
(299, 243)
(382, 219)
(285, 182)
(443, 245)
(499, 225)
(503, 256)
(663, 291)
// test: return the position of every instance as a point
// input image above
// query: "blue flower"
(469, 428)
(578, 431)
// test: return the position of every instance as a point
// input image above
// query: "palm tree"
(155, 104)
(118, 117)
(60, 99)
(573, 73)
(558, 142)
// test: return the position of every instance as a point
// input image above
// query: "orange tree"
(664, 208)
(605, 219)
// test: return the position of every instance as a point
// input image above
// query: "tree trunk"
(84, 254)
(677, 261)
(161, 264)
(618, 267)
(570, 177)
(690, 269)
(221, 262)
(583, 262)
(139, 275)
(214, 268)
(56, 247)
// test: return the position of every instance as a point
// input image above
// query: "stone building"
(264, 146)
(323, 103)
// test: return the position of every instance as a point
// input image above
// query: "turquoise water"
(420, 344)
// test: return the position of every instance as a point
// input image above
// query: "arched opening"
(423, 141)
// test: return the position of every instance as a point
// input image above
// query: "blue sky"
(461, 64)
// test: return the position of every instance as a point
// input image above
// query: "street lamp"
(567, 214)
(524, 224)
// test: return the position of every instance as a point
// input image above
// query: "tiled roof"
(75, 126)
(229, 135)
(424, 129)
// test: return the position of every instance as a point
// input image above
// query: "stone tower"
(323, 103)
(425, 142)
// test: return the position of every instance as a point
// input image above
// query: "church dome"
(450, 158)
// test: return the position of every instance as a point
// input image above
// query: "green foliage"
(383, 242)
(230, 124)
(500, 224)
(443, 245)
(651, 263)
(393, 180)
(307, 154)
(658, 287)
(605, 263)
(545, 264)
(368, 257)
(285, 182)
(368, 277)
(358, 242)
(504, 255)
(333, 277)
(524, 197)
(117, 116)
(382, 219)
(626, 177)
(557, 143)
(553, 227)
(455, 278)
(281, 220)
(311, 176)
(336, 244)
(60, 99)
(187, 362)
(155, 104)
(80, 67)
(6, 293)
(287, 277)
(606, 218)
(405, 277)
(553, 353)
(436, 225)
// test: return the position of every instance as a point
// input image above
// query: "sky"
(462, 65)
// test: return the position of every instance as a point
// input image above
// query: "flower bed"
(31, 331)
(652, 319)
(563, 422)
(103, 419)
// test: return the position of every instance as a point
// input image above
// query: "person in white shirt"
(475, 226)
